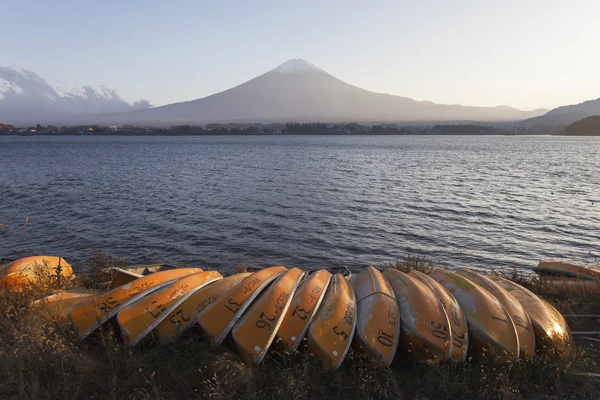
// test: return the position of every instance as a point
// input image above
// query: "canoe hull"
(218, 319)
(377, 317)
(186, 314)
(89, 315)
(426, 333)
(138, 319)
(255, 331)
(303, 309)
(332, 330)
(455, 314)
(491, 330)
(550, 327)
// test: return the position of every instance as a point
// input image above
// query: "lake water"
(307, 201)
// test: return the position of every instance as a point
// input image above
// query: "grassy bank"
(40, 360)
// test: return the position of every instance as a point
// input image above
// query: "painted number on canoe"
(108, 305)
(178, 318)
(300, 312)
(262, 322)
(385, 339)
(236, 306)
(342, 334)
(439, 330)
(458, 339)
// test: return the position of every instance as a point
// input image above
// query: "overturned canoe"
(331, 332)
(219, 317)
(255, 331)
(138, 319)
(555, 268)
(377, 317)
(578, 287)
(551, 329)
(426, 333)
(122, 277)
(36, 270)
(303, 309)
(90, 314)
(456, 316)
(61, 303)
(185, 315)
(492, 332)
(516, 311)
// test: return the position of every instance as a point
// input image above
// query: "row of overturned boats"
(424, 318)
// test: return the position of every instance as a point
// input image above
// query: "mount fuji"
(302, 92)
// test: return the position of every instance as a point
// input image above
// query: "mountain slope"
(589, 126)
(300, 91)
(565, 115)
(26, 98)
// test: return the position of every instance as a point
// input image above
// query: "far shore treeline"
(290, 128)
(586, 127)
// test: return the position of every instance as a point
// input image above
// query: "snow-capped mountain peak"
(297, 65)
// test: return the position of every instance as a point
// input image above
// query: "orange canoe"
(186, 314)
(426, 333)
(35, 270)
(255, 331)
(492, 332)
(61, 303)
(331, 332)
(568, 270)
(303, 309)
(377, 316)
(218, 318)
(140, 317)
(92, 313)
(550, 327)
(515, 309)
(456, 316)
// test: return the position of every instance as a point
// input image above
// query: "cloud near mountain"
(25, 97)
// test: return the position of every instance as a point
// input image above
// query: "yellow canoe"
(331, 332)
(61, 303)
(92, 313)
(426, 333)
(492, 331)
(219, 317)
(550, 327)
(515, 310)
(44, 270)
(456, 316)
(186, 314)
(255, 331)
(568, 270)
(377, 316)
(303, 309)
(139, 318)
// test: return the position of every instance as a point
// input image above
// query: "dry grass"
(43, 361)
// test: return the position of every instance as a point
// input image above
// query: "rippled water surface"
(309, 201)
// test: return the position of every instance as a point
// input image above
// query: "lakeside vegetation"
(44, 361)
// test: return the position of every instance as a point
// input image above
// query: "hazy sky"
(524, 53)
